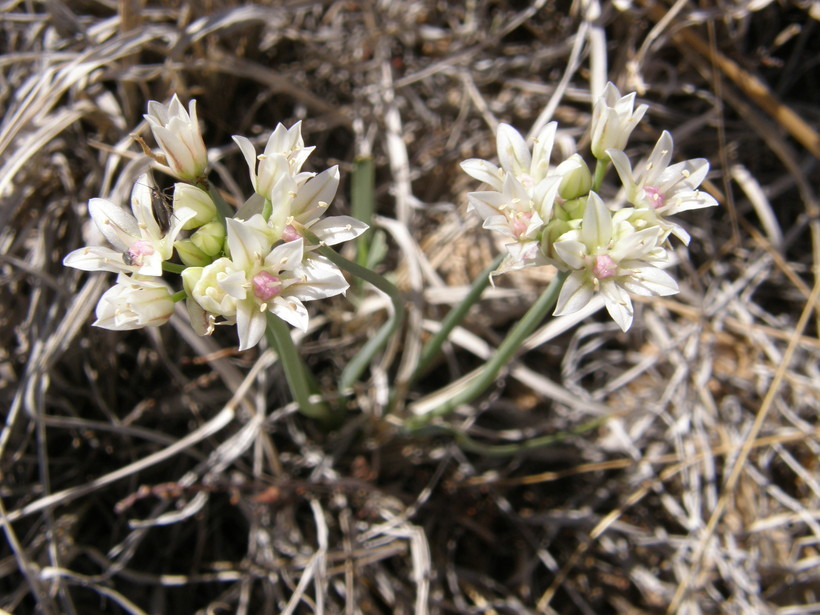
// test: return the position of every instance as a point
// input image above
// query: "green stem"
(453, 318)
(503, 450)
(223, 210)
(601, 167)
(503, 355)
(300, 381)
(355, 368)
(179, 296)
(362, 203)
(173, 267)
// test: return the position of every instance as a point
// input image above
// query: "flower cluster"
(555, 215)
(235, 267)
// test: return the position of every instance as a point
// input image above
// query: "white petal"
(499, 224)
(636, 245)
(647, 281)
(688, 174)
(486, 203)
(516, 194)
(658, 160)
(576, 293)
(684, 201)
(542, 150)
(513, 153)
(280, 141)
(250, 324)
(201, 321)
(543, 196)
(249, 151)
(116, 224)
(610, 95)
(596, 229)
(286, 256)
(678, 231)
(571, 252)
(157, 113)
(141, 205)
(281, 196)
(336, 229)
(97, 258)
(484, 171)
(522, 254)
(621, 163)
(235, 284)
(292, 311)
(324, 279)
(248, 241)
(271, 170)
(320, 189)
(179, 155)
(618, 303)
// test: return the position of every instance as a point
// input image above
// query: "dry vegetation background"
(157, 472)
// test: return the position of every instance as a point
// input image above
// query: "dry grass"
(156, 472)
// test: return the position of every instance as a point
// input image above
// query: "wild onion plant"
(256, 266)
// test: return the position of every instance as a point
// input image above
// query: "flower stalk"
(453, 319)
(503, 355)
(300, 381)
(362, 359)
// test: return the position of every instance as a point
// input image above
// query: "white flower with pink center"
(259, 278)
(607, 255)
(658, 190)
(139, 244)
(298, 209)
(523, 195)
(282, 158)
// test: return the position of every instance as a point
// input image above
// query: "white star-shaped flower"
(658, 190)
(607, 255)
(140, 244)
(257, 279)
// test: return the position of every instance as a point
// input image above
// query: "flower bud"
(203, 285)
(210, 238)
(177, 133)
(571, 210)
(191, 255)
(134, 304)
(552, 232)
(576, 180)
(613, 120)
(196, 199)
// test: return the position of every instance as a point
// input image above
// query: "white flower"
(177, 133)
(134, 303)
(520, 204)
(139, 244)
(283, 157)
(529, 168)
(613, 120)
(205, 285)
(659, 190)
(296, 209)
(607, 255)
(257, 279)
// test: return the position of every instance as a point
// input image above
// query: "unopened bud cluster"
(553, 215)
